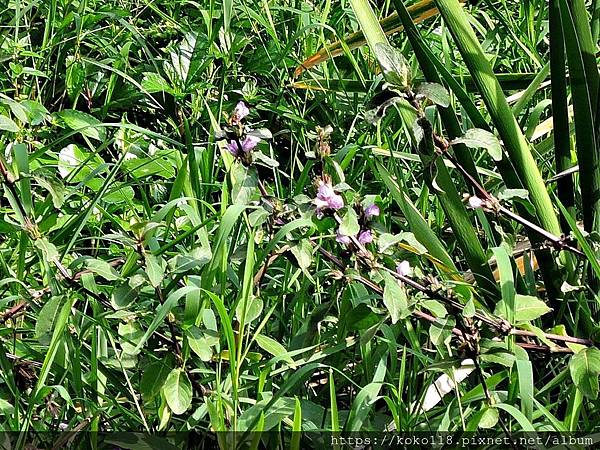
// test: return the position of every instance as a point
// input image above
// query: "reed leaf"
(391, 24)
(517, 146)
(584, 90)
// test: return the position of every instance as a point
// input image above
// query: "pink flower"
(371, 211)
(239, 112)
(365, 237)
(342, 239)
(327, 198)
(247, 145)
(404, 269)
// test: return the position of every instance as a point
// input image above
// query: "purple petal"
(241, 110)
(335, 202)
(233, 147)
(404, 269)
(371, 211)
(342, 239)
(249, 143)
(325, 191)
(365, 237)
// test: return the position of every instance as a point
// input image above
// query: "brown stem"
(12, 312)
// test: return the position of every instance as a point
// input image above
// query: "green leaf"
(46, 320)
(6, 409)
(178, 391)
(102, 268)
(159, 165)
(48, 249)
(155, 375)
(440, 331)
(153, 83)
(186, 262)
(434, 92)
(75, 77)
(303, 252)
(273, 347)
(435, 307)
(119, 193)
(489, 418)
(509, 194)
(35, 111)
(529, 308)
(349, 225)
(200, 344)
(254, 308)
(393, 64)
(244, 183)
(85, 123)
(54, 187)
(366, 398)
(155, 269)
(585, 368)
(274, 412)
(478, 138)
(265, 160)
(7, 124)
(74, 159)
(123, 295)
(394, 298)
(163, 310)
(130, 333)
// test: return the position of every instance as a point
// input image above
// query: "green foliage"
(170, 261)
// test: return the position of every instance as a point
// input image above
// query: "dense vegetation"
(293, 215)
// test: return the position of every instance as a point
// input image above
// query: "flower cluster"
(241, 141)
(365, 235)
(327, 198)
(240, 148)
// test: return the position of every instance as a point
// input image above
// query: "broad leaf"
(478, 138)
(178, 391)
(585, 368)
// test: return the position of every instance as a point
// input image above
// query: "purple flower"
(371, 211)
(239, 112)
(247, 145)
(404, 269)
(336, 202)
(325, 191)
(365, 237)
(342, 239)
(327, 198)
